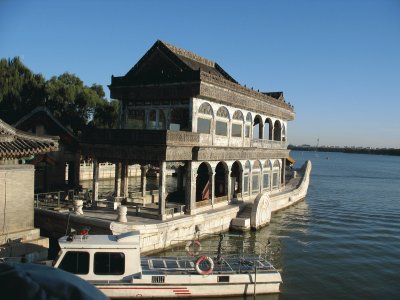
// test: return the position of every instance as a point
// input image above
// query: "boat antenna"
(219, 251)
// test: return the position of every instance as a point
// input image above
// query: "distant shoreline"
(395, 152)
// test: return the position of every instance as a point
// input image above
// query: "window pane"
(275, 179)
(203, 125)
(245, 183)
(266, 181)
(255, 183)
(236, 130)
(135, 119)
(221, 128)
(247, 131)
(106, 263)
(75, 262)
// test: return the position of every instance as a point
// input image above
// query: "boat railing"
(228, 254)
(227, 247)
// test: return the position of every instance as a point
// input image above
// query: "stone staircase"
(242, 221)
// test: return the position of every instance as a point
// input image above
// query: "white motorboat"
(113, 263)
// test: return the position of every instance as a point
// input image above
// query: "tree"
(68, 99)
(20, 89)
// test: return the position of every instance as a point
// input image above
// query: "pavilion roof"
(17, 144)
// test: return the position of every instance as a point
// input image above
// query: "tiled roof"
(276, 95)
(16, 144)
(196, 62)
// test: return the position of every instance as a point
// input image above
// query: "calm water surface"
(343, 241)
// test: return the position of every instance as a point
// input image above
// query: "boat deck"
(186, 265)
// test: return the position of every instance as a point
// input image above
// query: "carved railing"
(140, 137)
(183, 137)
(268, 144)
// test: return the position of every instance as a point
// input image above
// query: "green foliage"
(20, 90)
(68, 99)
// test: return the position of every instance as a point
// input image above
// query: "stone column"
(212, 186)
(124, 180)
(143, 171)
(161, 189)
(229, 186)
(283, 171)
(117, 180)
(250, 186)
(95, 187)
(190, 187)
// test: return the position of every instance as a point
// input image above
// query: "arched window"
(275, 174)
(204, 119)
(203, 184)
(223, 112)
(267, 175)
(258, 127)
(205, 109)
(277, 131)
(152, 121)
(161, 119)
(236, 176)
(221, 180)
(221, 123)
(249, 120)
(246, 173)
(237, 123)
(255, 177)
(268, 133)
(136, 119)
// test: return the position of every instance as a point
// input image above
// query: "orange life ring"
(193, 248)
(202, 259)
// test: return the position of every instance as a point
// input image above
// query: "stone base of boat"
(157, 235)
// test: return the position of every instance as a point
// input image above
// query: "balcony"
(171, 138)
(140, 137)
(268, 144)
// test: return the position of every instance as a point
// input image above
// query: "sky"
(337, 61)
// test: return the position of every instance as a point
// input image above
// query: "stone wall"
(16, 199)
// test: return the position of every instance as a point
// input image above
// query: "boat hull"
(188, 290)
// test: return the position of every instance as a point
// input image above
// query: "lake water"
(343, 241)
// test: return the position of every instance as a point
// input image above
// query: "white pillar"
(95, 187)
(190, 187)
(161, 189)
(124, 180)
(212, 186)
(143, 171)
(117, 180)
(228, 185)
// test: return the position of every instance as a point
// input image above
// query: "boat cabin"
(101, 257)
